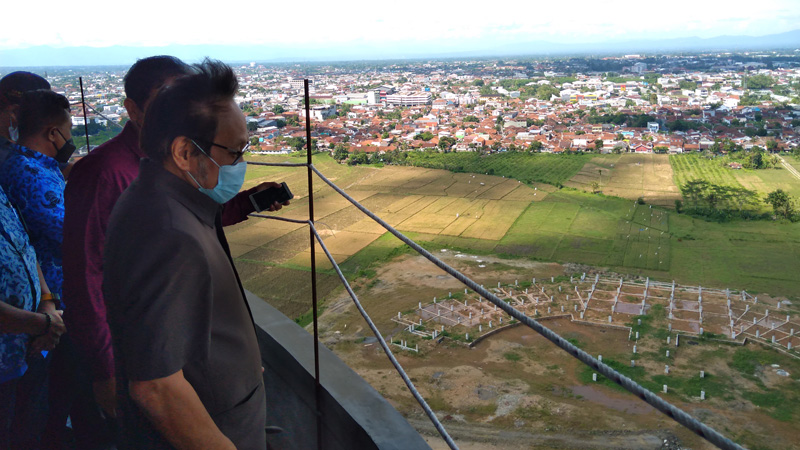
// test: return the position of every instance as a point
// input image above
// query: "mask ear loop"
(204, 152)
(199, 186)
(13, 132)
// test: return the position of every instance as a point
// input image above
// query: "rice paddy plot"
(649, 217)
(496, 219)
(594, 224)
(695, 167)
(500, 191)
(630, 176)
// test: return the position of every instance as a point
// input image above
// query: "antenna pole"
(85, 119)
(314, 310)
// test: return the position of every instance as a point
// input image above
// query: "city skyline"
(356, 29)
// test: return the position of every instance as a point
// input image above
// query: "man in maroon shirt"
(95, 184)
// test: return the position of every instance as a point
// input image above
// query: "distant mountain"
(45, 56)
(787, 40)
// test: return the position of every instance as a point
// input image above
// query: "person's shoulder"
(20, 167)
(142, 220)
(107, 160)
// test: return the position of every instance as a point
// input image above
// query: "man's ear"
(182, 153)
(136, 114)
(52, 134)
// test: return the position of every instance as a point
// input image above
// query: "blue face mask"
(229, 180)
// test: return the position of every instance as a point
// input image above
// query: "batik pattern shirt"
(6, 149)
(19, 286)
(35, 185)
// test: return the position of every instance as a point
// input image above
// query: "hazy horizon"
(358, 30)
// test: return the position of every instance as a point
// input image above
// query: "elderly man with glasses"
(185, 344)
(95, 185)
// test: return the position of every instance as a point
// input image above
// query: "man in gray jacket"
(184, 339)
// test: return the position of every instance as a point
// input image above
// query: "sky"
(442, 24)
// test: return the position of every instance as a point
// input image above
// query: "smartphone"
(262, 200)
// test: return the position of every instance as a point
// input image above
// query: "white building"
(410, 99)
(299, 84)
(320, 112)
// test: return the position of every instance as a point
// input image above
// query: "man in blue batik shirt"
(32, 180)
(12, 86)
(22, 291)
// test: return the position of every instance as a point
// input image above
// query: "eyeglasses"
(238, 153)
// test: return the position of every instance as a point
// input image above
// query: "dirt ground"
(516, 389)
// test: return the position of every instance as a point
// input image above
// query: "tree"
(445, 143)
(595, 186)
(296, 142)
(688, 85)
(340, 152)
(535, 146)
(477, 83)
(629, 103)
(426, 136)
(760, 82)
(278, 109)
(653, 98)
(757, 160)
(545, 91)
(471, 118)
(782, 203)
(772, 146)
(343, 109)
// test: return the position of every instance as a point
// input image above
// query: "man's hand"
(50, 340)
(271, 184)
(105, 394)
(57, 325)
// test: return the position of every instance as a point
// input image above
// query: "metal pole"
(85, 119)
(317, 386)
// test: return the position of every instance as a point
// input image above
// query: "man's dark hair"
(13, 85)
(151, 73)
(188, 107)
(41, 109)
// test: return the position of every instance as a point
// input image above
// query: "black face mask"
(65, 152)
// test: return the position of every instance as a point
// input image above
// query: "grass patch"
(636, 373)
(780, 406)
(306, 318)
(511, 356)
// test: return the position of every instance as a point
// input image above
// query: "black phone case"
(264, 199)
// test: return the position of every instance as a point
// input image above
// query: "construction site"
(604, 301)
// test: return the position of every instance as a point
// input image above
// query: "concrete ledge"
(354, 415)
